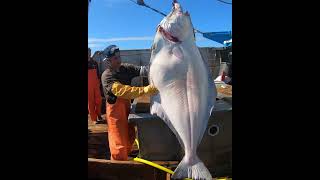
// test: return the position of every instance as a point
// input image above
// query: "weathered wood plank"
(122, 170)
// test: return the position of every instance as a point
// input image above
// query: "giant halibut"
(186, 90)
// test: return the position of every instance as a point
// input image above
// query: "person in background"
(94, 94)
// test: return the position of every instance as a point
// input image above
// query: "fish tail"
(196, 171)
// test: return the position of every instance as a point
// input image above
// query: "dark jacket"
(125, 74)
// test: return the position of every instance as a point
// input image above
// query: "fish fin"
(213, 95)
(177, 52)
(211, 85)
(197, 170)
(157, 109)
(204, 128)
(211, 110)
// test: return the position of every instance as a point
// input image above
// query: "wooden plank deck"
(123, 170)
(97, 140)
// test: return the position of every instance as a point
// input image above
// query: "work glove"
(132, 92)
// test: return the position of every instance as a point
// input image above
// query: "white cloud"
(93, 45)
(99, 40)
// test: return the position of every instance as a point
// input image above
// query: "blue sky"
(130, 26)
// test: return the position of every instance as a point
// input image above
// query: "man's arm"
(112, 89)
(132, 92)
(107, 82)
(135, 71)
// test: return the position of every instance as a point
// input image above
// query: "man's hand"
(150, 90)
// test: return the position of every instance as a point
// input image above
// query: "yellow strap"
(156, 166)
(137, 142)
(166, 169)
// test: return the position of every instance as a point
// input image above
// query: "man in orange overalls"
(116, 80)
(94, 94)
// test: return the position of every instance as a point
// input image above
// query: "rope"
(224, 2)
(143, 4)
(156, 166)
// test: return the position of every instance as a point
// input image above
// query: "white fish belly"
(183, 85)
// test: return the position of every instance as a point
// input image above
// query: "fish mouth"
(168, 35)
(171, 27)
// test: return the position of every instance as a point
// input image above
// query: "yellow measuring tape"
(156, 166)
